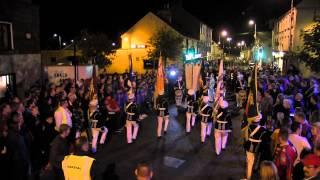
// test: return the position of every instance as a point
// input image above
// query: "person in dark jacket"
(44, 135)
(4, 154)
(19, 155)
(59, 149)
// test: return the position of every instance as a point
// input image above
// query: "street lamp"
(223, 33)
(55, 35)
(251, 23)
(229, 39)
(64, 44)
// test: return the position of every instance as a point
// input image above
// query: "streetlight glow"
(224, 33)
(251, 22)
(55, 35)
(239, 44)
(229, 39)
(242, 43)
(64, 43)
(71, 41)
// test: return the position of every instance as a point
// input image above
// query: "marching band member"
(178, 89)
(132, 117)
(97, 124)
(223, 126)
(256, 136)
(163, 114)
(191, 110)
(206, 118)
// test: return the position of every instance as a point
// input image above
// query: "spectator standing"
(284, 156)
(59, 149)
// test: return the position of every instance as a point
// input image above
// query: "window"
(6, 39)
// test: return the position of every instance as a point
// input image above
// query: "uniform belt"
(162, 109)
(131, 114)
(204, 119)
(190, 109)
(222, 122)
(254, 140)
(205, 115)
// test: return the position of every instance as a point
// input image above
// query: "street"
(176, 156)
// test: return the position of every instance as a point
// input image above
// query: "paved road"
(177, 156)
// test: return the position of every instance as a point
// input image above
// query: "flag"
(218, 90)
(130, 74)
(219, 82)
(251, 110)
(92, 90)
(130, 68)
(160, 77)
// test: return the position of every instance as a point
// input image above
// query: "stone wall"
(27, 68)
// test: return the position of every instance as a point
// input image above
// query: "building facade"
(20, 41)
(197, 36)
(304, 14)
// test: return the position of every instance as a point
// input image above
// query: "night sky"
(68, 17)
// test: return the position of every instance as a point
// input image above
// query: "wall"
(120, 61)
(24, 17)
(138, 34)
(57, 73)
(61, 56)
(26, 66)
(282, 31)
(307, 10)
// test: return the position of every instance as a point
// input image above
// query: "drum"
(178, 93)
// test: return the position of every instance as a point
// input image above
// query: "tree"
(167, 42)
(311, 47)
(96, 47)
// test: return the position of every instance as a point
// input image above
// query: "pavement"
(176, 156)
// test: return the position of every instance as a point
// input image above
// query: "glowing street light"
(224, 33)
(229, 39)
(55, 35)
(251, 23)
(64, 44)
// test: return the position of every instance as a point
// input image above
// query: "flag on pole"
(219, 82)
(130, 68)
(251, 111)
(92, 90)
(160, 77)
(130, 81)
